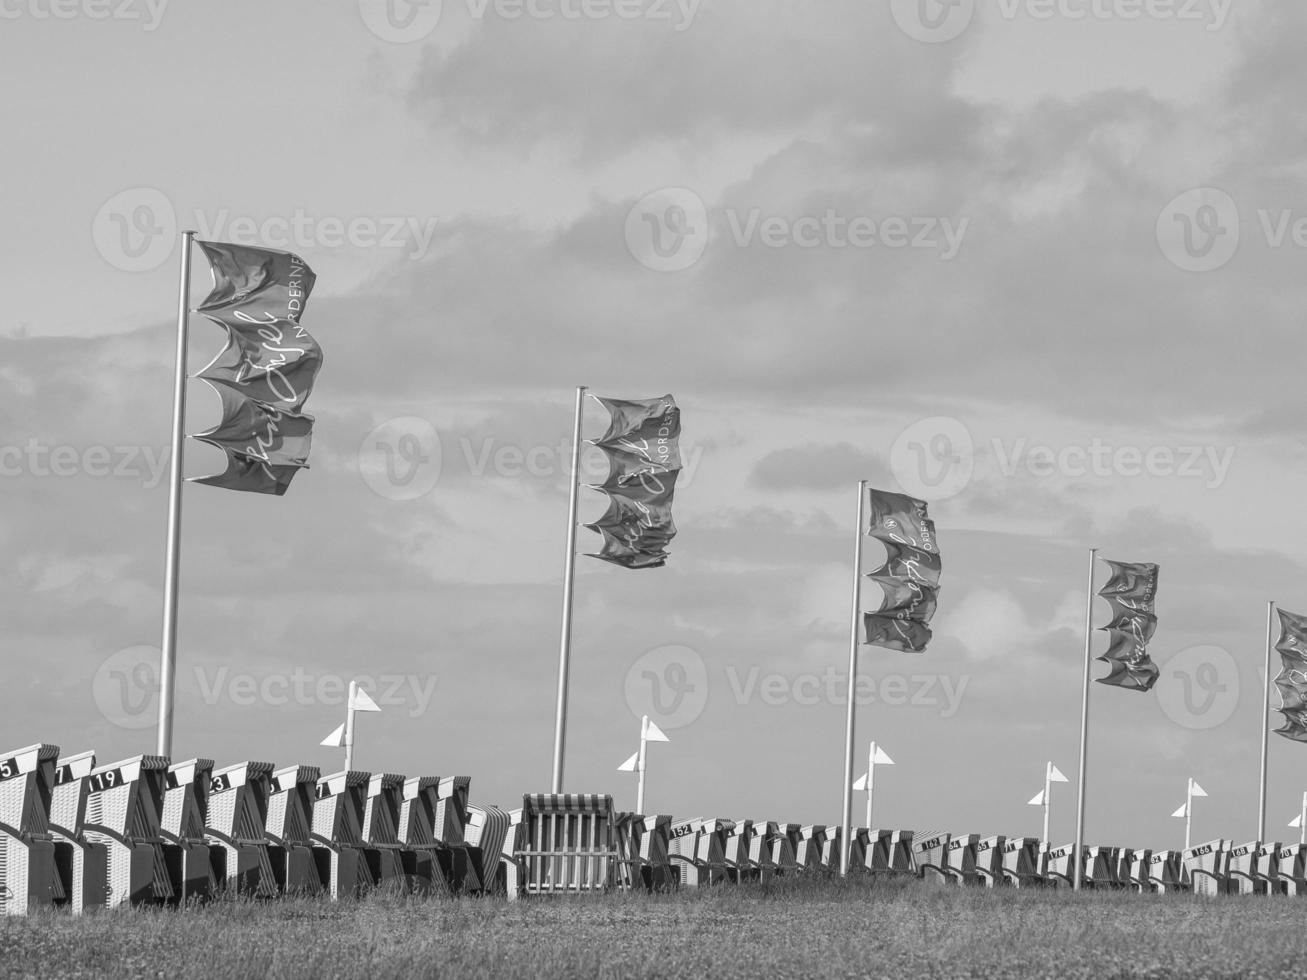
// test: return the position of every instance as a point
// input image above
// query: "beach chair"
(236, 829)
(1059, 867)
(27, 853)
(186, 850)
(1241, 869)
(1266, 869)
(417, 833)
(960, 859)
(1166, 873)
(930, 856)
(832, 849)
(1135, 874)
(383, 851)
(1206, 868)
(651, 847)
(1101, 866)
(735, 852)
(292, 858)
(123, 811)
(1291, 868)
(337, 836)
(989, 861)
(81, 866)
(488, 828)
(859, 847)
(569, 846)
(461, 867)
(1019, 862)
(808, 853)
(783, 841)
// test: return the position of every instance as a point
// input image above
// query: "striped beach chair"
(1291, 868)
(417, 832)
(960, 859)
(460, 866)
(930, 855)
(569, 844)
(1135, 865)
(292, 858)
(807, 854)
(735, 852)
(186, 850)
(832, 844)
(123, 812)
(1102, 864)
(859, 850)
(989, 861)
(81, 866)
(1206, 867)
(239, 801)
(1020, 862)
(784, 842)
(1059, 865)
(338, 833)
(1166, 872)
(652, 833)
(383, 851)
(487, 834)
(625, 876)
(762, 838)
(27, 855)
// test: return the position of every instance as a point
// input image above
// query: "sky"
(1036, 262)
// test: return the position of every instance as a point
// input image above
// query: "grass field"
(796, 928)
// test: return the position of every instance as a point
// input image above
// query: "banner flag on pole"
(629, 764)
(1197, 791)
(644, 459)
(1038, 800)
(1182, 812)
(266, 372)
(910, 576)
(881, 757)
(655, 734)
(1292, 679)
(1130, 592)
(336, 739)
(860, 784)
(363, 701)
(1056, 776)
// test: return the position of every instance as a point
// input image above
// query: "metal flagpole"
(1188, 812)
(349, 726)
(853, 679)
(172, 561)
(1266, 724)
(871, 780)
(1048, 789)
(569, 571)
(644, 741)
(1302, 821)
(1084, 724)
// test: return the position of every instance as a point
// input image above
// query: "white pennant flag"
(1057, 777)
(861, 782)
(655, 734)
(336, 739)
(629, 764)
(1182, 812)
(881, 759)
(1296, 821)
(363, 701)
(1038, 800)
(1197, 790)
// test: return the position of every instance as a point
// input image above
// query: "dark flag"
(1130, 592)
(644, 459)
(1292, 679)
(266, 372)
(910, 575)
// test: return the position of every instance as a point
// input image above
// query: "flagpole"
(1188, 812)
(349, 726)
(1302, 821)
(871, 780)
(644, 741)
(1266, 723)
(853, 679)
(1084, 723)
(1048, 789)
(172, 560)
(569, 572)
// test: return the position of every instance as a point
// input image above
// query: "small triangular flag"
(1038, 800)
(1296, 821)
(1197, 791)
(629, 764)
(861, 782)
(363, 701)
(1182, 812)
(880, 758)
(336, 739)
(1056, 776)
(655, 734)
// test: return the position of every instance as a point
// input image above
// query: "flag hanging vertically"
(1292, 679)
(1130, 592)
(910, 575)
(644, 459)
(266, 372)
